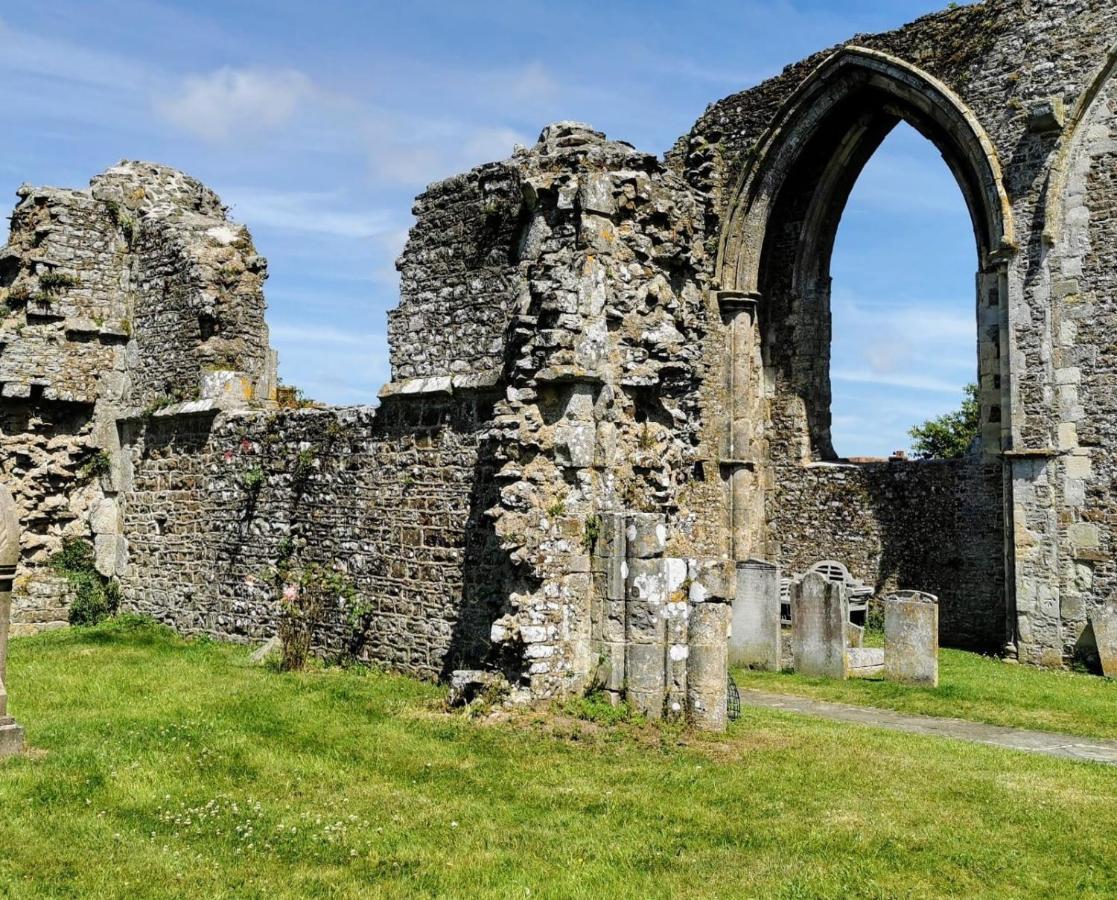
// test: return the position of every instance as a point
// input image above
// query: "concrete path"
(1063, 745)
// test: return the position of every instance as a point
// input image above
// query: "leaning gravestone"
(911, 638)
(755, 637)
(1103, 621)
(11, 734)
(819, 624)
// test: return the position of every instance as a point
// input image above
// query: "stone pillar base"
(11, 737)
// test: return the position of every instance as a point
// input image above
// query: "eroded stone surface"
(911, 638)
(819, 619)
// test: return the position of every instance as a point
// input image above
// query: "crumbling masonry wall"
(112, 299)
(394, 495)
(610, 382)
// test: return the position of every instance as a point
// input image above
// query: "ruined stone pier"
(589, 334)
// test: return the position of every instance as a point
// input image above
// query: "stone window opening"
(778, 242)
(900, 294)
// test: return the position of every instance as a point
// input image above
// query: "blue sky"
(318, 123)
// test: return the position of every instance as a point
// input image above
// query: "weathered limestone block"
(1103, 621)
(647, 535)
(820, 617)
(755, 638)
(708, 645)
(911, 638)
(11, 734)
(645, 636)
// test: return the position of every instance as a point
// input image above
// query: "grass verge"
(974, 687)
(171, 768)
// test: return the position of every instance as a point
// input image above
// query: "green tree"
(950, 435)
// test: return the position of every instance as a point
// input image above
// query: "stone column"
(738, 311)
(610, 570)
(911, 638)
(11, 734)
(755, 637)
(819, 621)
(711, 583)
(676, 616)
(645, 621)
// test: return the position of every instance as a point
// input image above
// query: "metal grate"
(732, 700)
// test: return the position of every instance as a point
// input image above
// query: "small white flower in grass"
(453, 824)
(290, 593)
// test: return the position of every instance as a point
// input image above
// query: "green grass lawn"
(165, 768)
(973, 687)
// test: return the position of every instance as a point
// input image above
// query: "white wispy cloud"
(305, 332)
(231, 102)
(54, 59)
(312, 212)
(894, 379)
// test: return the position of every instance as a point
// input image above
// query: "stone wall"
(127, 295)
(457, 276)
(934, 526)
(1015, 93)
(395, 496)
(588, 334)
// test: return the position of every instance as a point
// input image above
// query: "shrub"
(950, 435)
(305, 595)
(95, 596)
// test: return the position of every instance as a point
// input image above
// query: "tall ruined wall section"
(102, 292)
(457, 276)
(1031, 74)
(1070, 489)
(606, 381)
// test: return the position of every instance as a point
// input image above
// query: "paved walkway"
(1063, 745)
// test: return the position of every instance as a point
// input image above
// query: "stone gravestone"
(911, 638)
(11, 734)
(755, 637)
(819, 623)
(1103, 621)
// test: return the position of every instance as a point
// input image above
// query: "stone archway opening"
(935, 526)
(903, 343)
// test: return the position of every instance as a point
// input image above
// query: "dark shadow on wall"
(489, 577)
(942, 531)
(934, 526)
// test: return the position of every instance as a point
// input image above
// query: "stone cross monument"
(11, 734)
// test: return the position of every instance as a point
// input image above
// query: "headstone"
(11, 734)
(819, 623)
(755, 637)
(911, 638)
(1103, 621)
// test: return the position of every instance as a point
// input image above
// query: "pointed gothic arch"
(784, 213)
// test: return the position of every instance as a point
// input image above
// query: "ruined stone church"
(610, 384)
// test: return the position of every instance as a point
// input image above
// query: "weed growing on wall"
(100, 463)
